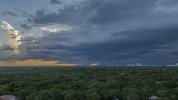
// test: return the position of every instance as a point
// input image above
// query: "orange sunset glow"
(34, 63)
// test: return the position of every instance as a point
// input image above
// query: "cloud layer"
(14, 39)
(100, 31)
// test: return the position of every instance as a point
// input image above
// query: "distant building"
(173, 65)
(137, 64)
(157, 82)
(153, 97)
(93, 65)
(8, 97)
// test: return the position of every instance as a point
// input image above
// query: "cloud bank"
(104, 31)
(14, 38)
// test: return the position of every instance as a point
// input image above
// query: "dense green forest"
(89, 83)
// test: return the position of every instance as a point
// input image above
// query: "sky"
(88, 32)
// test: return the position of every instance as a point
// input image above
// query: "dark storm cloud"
(10, 13)
(55, 2)
(118, 50)
(118, 10)
(65, 16)
(110, 32)
(97, 11)
(144, 45)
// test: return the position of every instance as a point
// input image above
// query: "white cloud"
(55, 28)
(65, 3)
(48, 30)
(14, 39)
